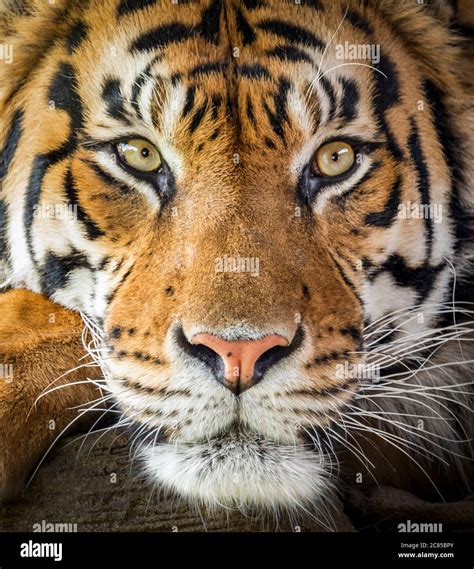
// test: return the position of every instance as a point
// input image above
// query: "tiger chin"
(269, 245)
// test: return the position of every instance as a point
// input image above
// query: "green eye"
(140, 155)
(334, 158)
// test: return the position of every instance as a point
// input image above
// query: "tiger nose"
(240, 356)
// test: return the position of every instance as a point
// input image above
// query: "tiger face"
(220, 191)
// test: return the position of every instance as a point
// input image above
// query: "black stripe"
(341, 200)
(40, 166)
(244, 28)
(420, 278)
(290, 53)
(387, 94)
(255, 71)
(113, 293)
(11, 143)
(3, 229)
(138, 85)
(114, 102)
(252, 4)
(175, 77)
(108, 179)
(71, 192)
(206, 68)
(451, 142)
(136, 91)
(198, 117)
(352, 331)
(162, 36)
(216, 102)
(210, 23)
(64, 92)
(291, 33)
(388, 89)
(423, 182)
(76, 36)
(359, 22)
(269, 143)
(329, 90)
(250, 111)
(280, 116)
(346, 280)
(189, 103)
(350, 99)
(129, 6)
(385, 217)
(56, 271)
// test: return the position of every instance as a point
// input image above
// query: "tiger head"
(230, 192)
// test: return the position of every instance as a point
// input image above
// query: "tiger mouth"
(313, 438)
(239, 469)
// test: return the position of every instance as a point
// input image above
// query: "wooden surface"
(99, 490)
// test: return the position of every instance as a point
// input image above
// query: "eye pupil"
(335, 156)
(145, 152)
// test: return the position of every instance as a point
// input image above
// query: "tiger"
(260, 214)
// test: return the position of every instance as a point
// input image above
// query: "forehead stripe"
(350, 99)
(292, 33)
(255, 71)
(290, 53)
(77, 36)
(206, 68)
(244, 28)
(129, 6)
(159, 38)
(359, 22)
(331, 94)
(198, 116)
(114, 102)
(210, 22)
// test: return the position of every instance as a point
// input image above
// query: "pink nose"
(239, 356)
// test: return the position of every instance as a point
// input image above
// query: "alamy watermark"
(228, 264)
(56, 527)
(413, 210)
(6, 53)
(362, 372)
(358, 51)
(417, 527)
(65, 211)
(6, 372)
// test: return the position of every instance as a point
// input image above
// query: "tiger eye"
(334, 158)
(140, 155)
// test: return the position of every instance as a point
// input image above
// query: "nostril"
(274, 355)
(202, 353)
